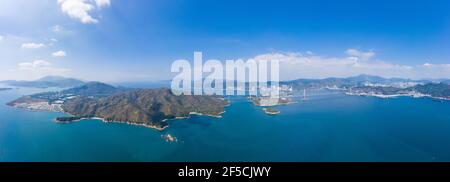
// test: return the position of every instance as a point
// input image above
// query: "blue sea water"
(329, 126)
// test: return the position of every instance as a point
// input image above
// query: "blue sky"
(134, 40)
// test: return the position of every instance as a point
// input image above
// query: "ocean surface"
(329, 126)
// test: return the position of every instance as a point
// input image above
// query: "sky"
(135, 40)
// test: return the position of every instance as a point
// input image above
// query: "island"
(268, 101)
(152, 108)
(169, 138)
(271, 111)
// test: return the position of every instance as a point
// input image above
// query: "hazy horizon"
(168, 80)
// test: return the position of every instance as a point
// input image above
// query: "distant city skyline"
(117, 41)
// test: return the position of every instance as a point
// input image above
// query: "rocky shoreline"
(107, 121)
(78, 119)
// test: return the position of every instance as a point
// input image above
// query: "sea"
(328, 126)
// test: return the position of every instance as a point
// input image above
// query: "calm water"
(330, 127)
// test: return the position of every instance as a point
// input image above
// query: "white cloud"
(80, 9)
(102, 3)
(32, 45)
(427, 65)
(360, 54)
(54, 40)
(56, 28)
(1, 38)
(41, 67)
(59, 54)
(297, 65)
(34, 65)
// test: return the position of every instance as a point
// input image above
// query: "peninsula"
(145, 107)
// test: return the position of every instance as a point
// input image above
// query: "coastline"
(210, 115)
(105, 121)
(75, 118)
(396, 95)
(123, 122)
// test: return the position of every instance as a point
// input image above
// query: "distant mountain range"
(90, 89)
(94, 89)
(46, 82)
(375, 85)
(359, 80)
(63, 82)
(435, 90)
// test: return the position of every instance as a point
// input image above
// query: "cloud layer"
(41, 67)
(298, 65)
(360, 54)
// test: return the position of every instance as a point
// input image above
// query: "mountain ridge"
(46, 82)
